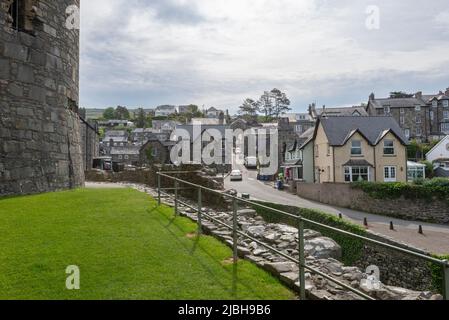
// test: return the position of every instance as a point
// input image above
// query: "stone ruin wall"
(40, 143)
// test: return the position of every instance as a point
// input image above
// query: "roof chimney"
(372, 96)
(418, 95)
(447, 92)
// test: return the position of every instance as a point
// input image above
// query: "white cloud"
(218, 52)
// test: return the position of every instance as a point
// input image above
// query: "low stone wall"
(342, 195)
(148, 176)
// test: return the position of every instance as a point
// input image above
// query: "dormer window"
(434, 103)
(446, 103)
(387, 110)
(418, 108)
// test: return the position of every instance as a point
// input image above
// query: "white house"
(165, 111)
(439, 156)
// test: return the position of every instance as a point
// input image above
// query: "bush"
(437, 273)
(428, 189)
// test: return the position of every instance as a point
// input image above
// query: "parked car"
(251, 162)
(236, 175)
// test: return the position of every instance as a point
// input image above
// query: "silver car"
(236, 175)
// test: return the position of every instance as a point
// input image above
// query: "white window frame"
(353, 148)
(417, 108)
(389, 147)
(402, 119)
(434, 103)
(387, 110)
(349, 171)
(390, 174)
(407, 133)
(418, 132)
(431, 115)
(446, 114)
(402, 110)
(445, 103)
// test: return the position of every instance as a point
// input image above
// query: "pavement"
(435, 238)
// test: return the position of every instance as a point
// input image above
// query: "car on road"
(236, 175)
(251, 162)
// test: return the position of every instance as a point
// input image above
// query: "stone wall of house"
(342, 195)
(39, 126)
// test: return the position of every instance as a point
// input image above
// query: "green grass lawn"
(125, 247)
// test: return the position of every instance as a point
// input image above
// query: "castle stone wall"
(40, 142)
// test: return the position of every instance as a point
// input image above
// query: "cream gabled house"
(349, 149)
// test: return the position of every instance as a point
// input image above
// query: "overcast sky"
(143, 53)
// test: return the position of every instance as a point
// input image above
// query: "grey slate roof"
(345, 111)
(398, 102)
(442, 173)
(338, 129)
(125, 150)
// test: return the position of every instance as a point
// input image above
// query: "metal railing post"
(158, 189)
(176, 197)
(302, 260)
(234, 229)
(200, 207)
(446, 280)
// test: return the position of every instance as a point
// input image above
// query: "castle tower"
(40, 147)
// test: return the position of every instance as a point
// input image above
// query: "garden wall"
(344, 195)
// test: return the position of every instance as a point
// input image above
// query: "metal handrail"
(301, 220)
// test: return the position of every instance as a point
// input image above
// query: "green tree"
(266, 104)
(108, 114)
(249, 109)
(281, 104)
(140, 118)
(121, 113)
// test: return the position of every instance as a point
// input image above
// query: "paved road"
(435, 238)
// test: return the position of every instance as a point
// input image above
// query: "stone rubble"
(322, 254)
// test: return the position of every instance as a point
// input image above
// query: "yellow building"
(349, 149)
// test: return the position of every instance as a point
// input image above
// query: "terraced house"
(422, 117)
(349, 149)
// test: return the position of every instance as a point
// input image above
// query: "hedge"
(351, 247)
(437, 273)
(426, 189)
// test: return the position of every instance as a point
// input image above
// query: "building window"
(328, 149)
(445, 128)
(388, 147)
(418, 119)
(387, 110)
(418, 132)
(356, 148)
(434, 103)
(432, 115)
(402, 120)
(402, 110)
(446, 115)
(390, 174)
(120, 157)
(446, 103)
(354, 174)
(21, 21)
(407, 133)
(418, 108)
